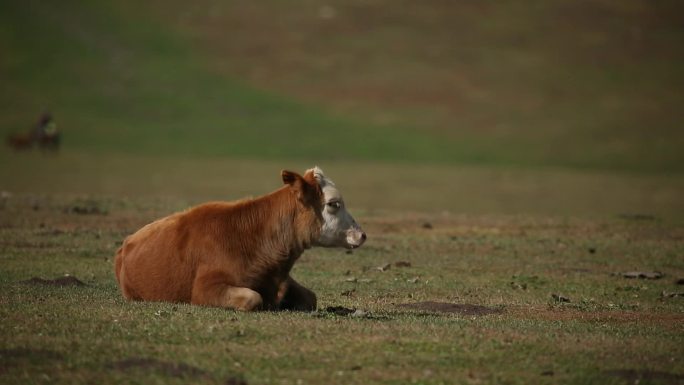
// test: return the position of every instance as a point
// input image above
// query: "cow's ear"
(290, 177)
(310, 177)
(306, 187)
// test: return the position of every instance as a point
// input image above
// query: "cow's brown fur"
(228, 254)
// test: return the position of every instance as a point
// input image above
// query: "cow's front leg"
(212, 289)
(293, 296)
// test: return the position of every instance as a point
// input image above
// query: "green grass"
(79, 334)
(367, 186)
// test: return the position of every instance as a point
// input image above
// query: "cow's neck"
(283, 236)
(289, 229)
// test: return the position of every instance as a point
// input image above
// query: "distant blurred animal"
(44, 134)
(20, 140)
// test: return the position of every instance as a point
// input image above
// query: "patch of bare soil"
(32, 353)
(86, 208)
(353, 313)
(173, 369)
(13, 357)
(29, 245)
(456, 308)
(637, 376)
(641, 274)
(61, 281)
(339, 310)
(666, 320)
(637, 217)
(235, 381)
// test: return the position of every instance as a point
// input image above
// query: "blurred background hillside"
(574, 85)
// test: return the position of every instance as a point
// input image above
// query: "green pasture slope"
(582, 84)
(118, 83)
(160, 110)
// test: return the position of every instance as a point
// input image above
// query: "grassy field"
(508, 162)
(612, 330)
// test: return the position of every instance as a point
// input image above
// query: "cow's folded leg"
(212, 289)
(294, 296)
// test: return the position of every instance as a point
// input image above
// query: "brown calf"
(228, 254)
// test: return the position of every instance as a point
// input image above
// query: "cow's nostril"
(363, 236)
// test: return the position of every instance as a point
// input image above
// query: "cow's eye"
(334, 205)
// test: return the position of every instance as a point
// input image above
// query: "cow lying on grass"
(238, 254)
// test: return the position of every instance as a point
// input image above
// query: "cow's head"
(339, 227)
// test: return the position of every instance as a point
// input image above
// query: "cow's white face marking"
(339, 227)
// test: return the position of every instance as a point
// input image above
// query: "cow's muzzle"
(355, 238)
